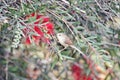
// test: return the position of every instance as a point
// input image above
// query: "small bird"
(64, 40)
(67, 42)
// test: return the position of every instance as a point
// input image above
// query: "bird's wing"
(68, 41)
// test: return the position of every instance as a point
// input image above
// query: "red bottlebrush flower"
(39, 36)
(38, 30)
(49, 25)
(85, 77)
(37, 22)
(76, 70)
(45, 19)
(30, 15)
(78, 73)
(36, 39)
(33, 14)
(38, 16)
(50, 28)
(40, 19)
(28, 41)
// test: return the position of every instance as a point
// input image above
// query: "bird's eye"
(59, 34)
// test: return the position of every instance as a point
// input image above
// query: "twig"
(112, 44)
(98, 4)
(31, 4)
(4, 2)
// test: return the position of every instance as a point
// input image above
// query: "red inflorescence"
(42, 26)
(78, 73)
(50, 28)
(28, 40)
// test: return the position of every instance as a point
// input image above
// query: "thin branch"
(98, 4)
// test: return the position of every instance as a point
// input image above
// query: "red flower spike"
(78, 73)
(37, 22)
(28, 41)
(30, 15)
(33, 14)
(40, 19)
(50, 28)
(38, 16)
(50, 32)
(76, 70)
(36, 39)
(50, 25)
(45, 19)
(37, 29)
